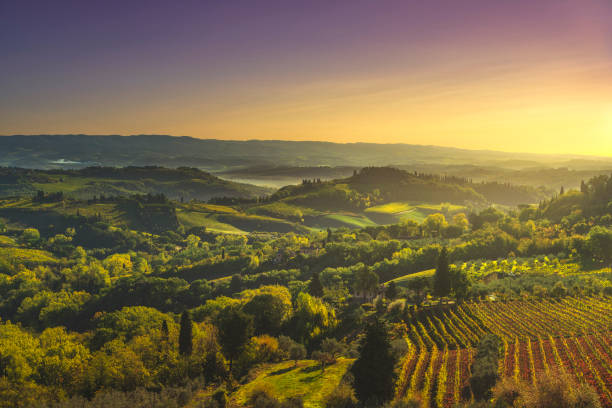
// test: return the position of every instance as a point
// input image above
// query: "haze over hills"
(277, 163)
(51, 150)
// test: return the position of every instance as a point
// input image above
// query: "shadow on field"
(281, 371)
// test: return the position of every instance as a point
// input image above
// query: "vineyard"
(570, 334)
(540, 265)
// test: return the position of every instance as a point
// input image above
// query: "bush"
(484, 368)
(343, 396)
(406, 403)
(559, 290)
(507, 392)
(560, 391)
(261, 397)
(556, 390)
(220, 398)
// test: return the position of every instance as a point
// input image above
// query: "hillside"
(181, 183)
(378, 185)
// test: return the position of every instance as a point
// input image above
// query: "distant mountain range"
(265, 159)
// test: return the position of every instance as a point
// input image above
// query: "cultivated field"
(571, 335)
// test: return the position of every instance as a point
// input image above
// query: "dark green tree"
(484, 368)
(391, 292)
(442, 277)
(373, 371)
(235, 330)
(315, 288)
(583, 187)
(460, 284)
(599, 243)
(236, 284)
(164, 331)
(185, 339)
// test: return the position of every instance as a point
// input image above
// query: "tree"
(30, 236)
(269, 312)
(311, 318)
(373, 371)
(583, 187)
(461, 221)
(434, 224)
(236, 283)
(460, 284)
(442, 278)
(366, 282)
(333, 347)
(484, 368)
(165, 334)
(323, 358)
(235, 330)
(315, 288)
(391, 292)
(599, 243)
(185, 335)
(297, 352)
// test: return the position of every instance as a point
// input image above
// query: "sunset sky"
(513, 75)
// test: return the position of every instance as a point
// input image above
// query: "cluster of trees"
(88, 307)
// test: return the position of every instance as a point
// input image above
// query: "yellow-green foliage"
(283, 210)
(207, 218)
(7, 241)
(352, 220)
(306, 380)
(403, 280)
(26, 256)
(391, 208)
(313, 316)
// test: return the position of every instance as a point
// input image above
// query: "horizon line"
(574, 155)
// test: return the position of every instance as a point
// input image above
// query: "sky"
(512, 75)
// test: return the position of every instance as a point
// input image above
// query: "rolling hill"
(181, 183)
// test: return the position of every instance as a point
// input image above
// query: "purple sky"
(194, 67)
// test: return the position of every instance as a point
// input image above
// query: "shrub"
(297, 352)
(484, 368)
(262, 397)
(343, 396)
(556, 390)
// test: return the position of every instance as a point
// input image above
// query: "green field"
(282, 209)
(223, 219)
(404, 280)
(391, 208)
(404, 210)
(352, 221)
(191, 219)
(306, 381)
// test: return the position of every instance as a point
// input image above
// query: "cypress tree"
(185, 335)
(391, 292)
(373, 371)
(315, 288)
(165, 333)
(442, 278)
